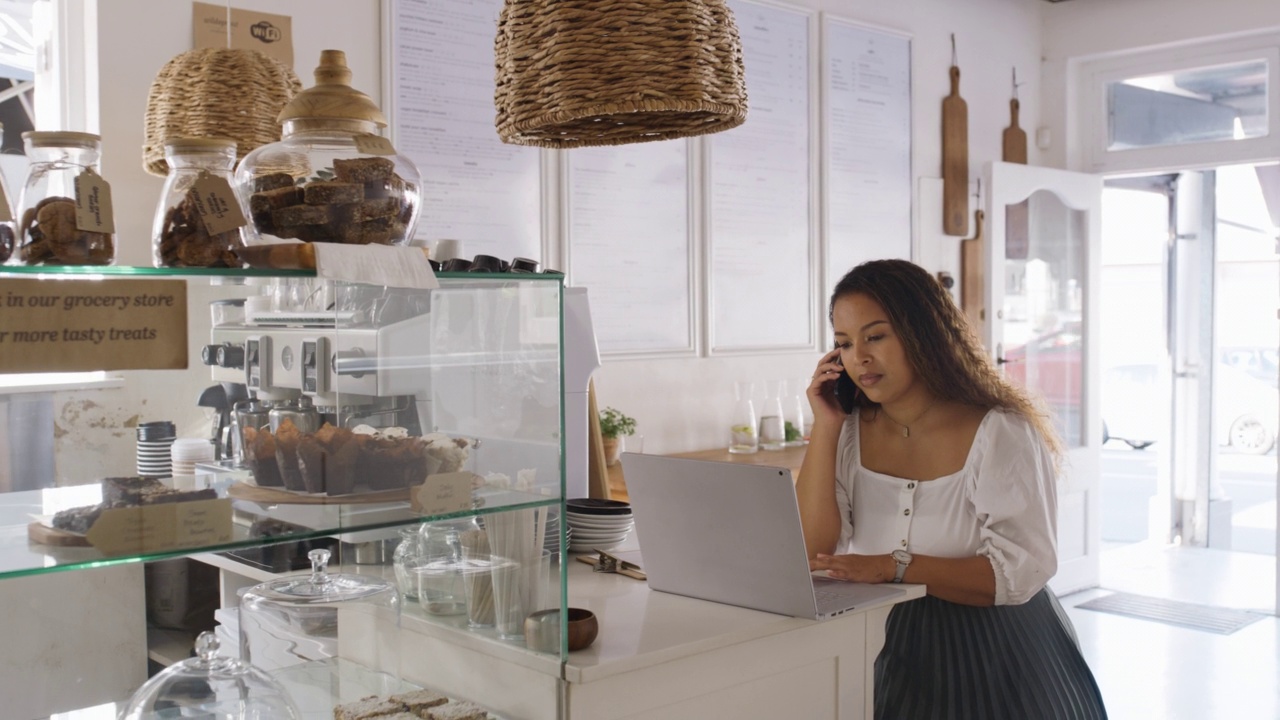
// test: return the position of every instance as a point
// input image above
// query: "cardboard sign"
(250, 30)
(93, 203)
(163, 527)
(216, 202)
(76, 325)
(444, 493)
(374, 145)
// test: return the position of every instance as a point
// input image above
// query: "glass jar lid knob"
(319, 567)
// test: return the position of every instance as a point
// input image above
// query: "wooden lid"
(332, 98)
(61, 138)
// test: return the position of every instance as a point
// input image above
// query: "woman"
(944, 474)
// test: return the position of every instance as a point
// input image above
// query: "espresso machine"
(468, 360)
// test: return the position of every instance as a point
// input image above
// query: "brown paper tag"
(217, 204)
(93, 203)
(71, 325)
(6, 213)
(374, 145)
(443, 493)
(164, 527)
(250, 30)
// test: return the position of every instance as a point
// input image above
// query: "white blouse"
(1002, 504)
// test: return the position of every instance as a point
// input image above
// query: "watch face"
(902, 556)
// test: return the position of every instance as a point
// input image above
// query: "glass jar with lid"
(52, 228)
(210, 685)
(331, 178)
(199, 218)
(429, 565)
(7, 232)
(321, 619)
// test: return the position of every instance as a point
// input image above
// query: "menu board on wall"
(629, 244)
(759, 199)
(439, 102)
(867, 87)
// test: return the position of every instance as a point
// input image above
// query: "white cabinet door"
(1041, 324)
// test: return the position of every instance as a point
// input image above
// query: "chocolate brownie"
(419, 700)
(363, 170)
(77, 520)
(368, 708)
(457, 710)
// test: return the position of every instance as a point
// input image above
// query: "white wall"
(681, 404)
(1085, 29)
(684, 405)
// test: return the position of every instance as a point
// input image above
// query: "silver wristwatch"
(903, 558)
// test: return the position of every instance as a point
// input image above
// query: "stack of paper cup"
(186, 452)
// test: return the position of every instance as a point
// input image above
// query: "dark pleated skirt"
(947, 661)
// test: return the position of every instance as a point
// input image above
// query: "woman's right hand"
(822, 390)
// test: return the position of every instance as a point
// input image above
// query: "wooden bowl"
(542, 630)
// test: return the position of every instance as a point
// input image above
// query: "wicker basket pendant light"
(575, 73)
(216, 92)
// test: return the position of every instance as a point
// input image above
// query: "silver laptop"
(730, 533)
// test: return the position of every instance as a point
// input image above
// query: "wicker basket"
(216, 92)
(574, 73)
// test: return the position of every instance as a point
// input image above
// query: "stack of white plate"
(597, 524)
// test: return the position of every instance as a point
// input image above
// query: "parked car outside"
(1246, 412)
(1246, 408)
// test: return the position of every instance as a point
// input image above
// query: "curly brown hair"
(943, 349)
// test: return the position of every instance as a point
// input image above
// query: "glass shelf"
(142, 271)
(350, 522)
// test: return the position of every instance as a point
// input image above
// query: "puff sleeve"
(1015, 499)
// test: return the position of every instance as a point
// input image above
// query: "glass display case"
(345, 414)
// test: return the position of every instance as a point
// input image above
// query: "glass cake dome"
(212, 687)
(320, 616)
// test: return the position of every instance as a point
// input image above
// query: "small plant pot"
(612, 447)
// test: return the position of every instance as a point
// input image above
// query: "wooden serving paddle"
(1014, 138)
(1017, 218)
(955, 159)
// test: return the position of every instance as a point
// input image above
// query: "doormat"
(1208, 618)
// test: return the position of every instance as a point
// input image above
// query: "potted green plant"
(613, 425)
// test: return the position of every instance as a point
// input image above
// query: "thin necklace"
(906, 429)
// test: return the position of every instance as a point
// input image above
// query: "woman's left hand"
(856, 568)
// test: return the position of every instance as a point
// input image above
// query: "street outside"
(1248, 481)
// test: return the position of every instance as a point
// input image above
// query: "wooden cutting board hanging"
(1017, 218)
(971, 286)
(955, 156)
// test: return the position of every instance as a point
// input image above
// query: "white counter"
(663, 656)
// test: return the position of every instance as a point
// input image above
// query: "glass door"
(1043, 265)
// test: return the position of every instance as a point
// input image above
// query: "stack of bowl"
(596, 524)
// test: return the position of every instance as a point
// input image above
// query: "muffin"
(327, 460)
(260, 453)
(287, 439)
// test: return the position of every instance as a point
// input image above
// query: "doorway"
(1189, 285)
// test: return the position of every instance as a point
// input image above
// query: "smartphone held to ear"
(846, 391)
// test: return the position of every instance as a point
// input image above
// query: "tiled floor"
(1149, 670)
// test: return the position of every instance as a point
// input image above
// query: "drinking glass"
(772, 430)
(742, 426)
